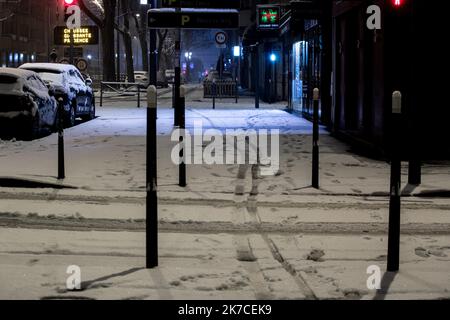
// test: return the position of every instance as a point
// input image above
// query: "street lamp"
(273, 57)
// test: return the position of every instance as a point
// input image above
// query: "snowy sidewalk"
(108, 154)
(229, 234)
(33, 265)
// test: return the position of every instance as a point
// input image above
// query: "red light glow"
(69, 2)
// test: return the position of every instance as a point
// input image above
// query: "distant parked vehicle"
(170, 75)
(27, 105)
(214, 75)
(141, 77)
(69, 84)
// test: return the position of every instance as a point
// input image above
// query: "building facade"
(329, 45)
(369, 65)
(26, 31)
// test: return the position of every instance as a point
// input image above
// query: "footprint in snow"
(421, 252)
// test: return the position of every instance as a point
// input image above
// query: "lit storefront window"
(300, 61)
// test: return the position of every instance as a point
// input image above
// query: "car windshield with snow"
(69, 84)
(27, 105)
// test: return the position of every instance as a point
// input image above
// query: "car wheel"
(91, 114)
(70, 118)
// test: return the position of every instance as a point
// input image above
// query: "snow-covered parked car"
(69, 84)
(27, 105)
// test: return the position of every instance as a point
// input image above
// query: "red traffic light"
(398, 3)
(70, 2)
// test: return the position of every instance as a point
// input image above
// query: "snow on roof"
(60, 67)
(18, 73)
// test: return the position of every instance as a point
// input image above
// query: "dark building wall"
(26, 34)
(370, 65)
(430, 56)
(358, 99)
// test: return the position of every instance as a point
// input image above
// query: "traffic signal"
(398, 3)
(399, 46)
(400, 7)
(68, 3)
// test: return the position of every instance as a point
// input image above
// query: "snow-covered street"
(230, 234)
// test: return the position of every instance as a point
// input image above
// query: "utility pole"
(256, 74)
(152, 181)
(118, 43)
(71, 60)
(177, 79)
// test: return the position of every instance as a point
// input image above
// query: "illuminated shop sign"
(269, 17)
(87, 35)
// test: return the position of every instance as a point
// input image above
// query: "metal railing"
(220, 89)
(121, 89)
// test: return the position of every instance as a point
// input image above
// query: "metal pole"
(71, 47)
(236, 78)
(275, 82)
(395, 197)
(182, 166)
(177, 79)
(101, 93)
(118, 44)
(257, 79)
(176, 115)
(151, 176)
(214, 92)
(315, 154)
(61, 167)
(151, 229)
(237, 90)
(139, 96)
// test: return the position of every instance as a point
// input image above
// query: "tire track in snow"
(244, 252)
(252, 209)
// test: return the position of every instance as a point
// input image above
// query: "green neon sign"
(269, 17)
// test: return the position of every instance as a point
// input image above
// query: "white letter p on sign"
(185, 19)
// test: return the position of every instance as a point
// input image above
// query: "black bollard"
(61, 166)
(182, 166)
(315, 153)
(177, 96)
(395, 196)
(151, 227)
